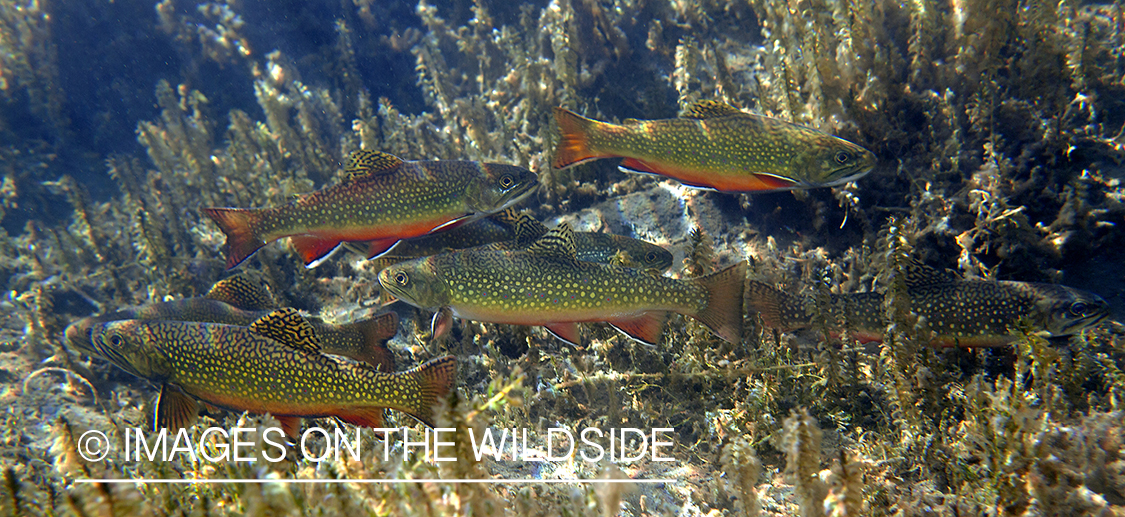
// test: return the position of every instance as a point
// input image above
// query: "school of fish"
(448, 239)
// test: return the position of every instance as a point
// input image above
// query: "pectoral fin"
(174, 409)
(378, 247)
(442, 323)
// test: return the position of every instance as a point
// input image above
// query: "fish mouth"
(112, 355)
(846, 179)
(79, 335)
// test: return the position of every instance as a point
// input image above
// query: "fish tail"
(723, 313)
(574, 142)
(435, 380)
(375, 332)
(238, 225)
(767, 301)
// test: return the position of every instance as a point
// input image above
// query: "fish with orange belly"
(547, 285)
(958, 312)
(716, 146)
(382, 199)
(274, 366)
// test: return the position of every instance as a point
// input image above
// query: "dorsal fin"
(710, 109)
(288, 327)
(528, 230)
(366, 163)
(921, 275)
(557, 243)
(242, 292)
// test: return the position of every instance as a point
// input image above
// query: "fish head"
(499, 186)
(651, 256)
(1068, 311)
(79, 334)
(131, 346)
(416, 282)
(829, 161)
(637, 253)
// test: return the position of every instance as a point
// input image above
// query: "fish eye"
(1079, 308)
(115, 340)
(402, 278)
(843, 157)
(650, 257)
(507, 181)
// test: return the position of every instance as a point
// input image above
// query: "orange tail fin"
(237, 224)
(574, 146)
(723, 314)
(376, 331)
(435, 380)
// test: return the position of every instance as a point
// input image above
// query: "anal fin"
(568, 332)
(645, 328)
(290, 425)
(312, 249)
(369, 416)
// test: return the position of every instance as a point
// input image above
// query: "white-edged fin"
(627, 170)
(645, 328)
(566, 332)
(321, 260)
(449, 225)
(442, 323)
(379, 247)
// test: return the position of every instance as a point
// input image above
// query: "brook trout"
(381, 200)
(273, 366)
(525, 230)
(547, 285)
(716, 146)
(966, 313)
(240, 301)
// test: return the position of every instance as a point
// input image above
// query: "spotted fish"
(966, 313)
(716, 146)
(272, 366)
(497, 227)
(381, 200)
(547, 285)
(523, 230)
(240, 301)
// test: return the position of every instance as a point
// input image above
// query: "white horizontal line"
(375, 481)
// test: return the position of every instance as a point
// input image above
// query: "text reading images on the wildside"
(547, 285)
(273, 366)
(716, 146)
(382, 199)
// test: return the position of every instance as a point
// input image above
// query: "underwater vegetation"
(999, 133)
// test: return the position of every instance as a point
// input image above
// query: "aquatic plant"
(999, 129)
